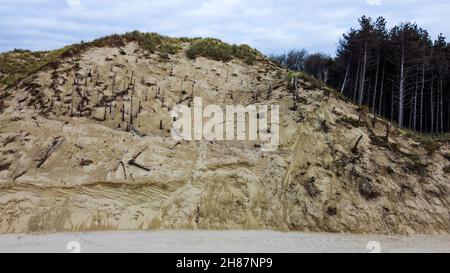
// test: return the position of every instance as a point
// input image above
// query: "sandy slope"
(314, 182)
(221, 241)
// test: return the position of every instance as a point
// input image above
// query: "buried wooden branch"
(175, 145)
(120, 160)
(197, 214)
(134, 163)
(124, 170)
(355, 148)
(19, 175)
(138, 154)
(131, 107)
(79, 146)
(388, 128)
(55, 144)
(136, 131)
(104, 113)
(35, 121)
(157, 92)
(184, 99)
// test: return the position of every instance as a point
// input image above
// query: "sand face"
(236, 241)
(313, 182)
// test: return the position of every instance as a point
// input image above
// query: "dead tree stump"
(355, 148)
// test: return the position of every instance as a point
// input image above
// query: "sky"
(271, 26)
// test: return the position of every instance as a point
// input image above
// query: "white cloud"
(269, 25)
(374, 2)
(74, 3)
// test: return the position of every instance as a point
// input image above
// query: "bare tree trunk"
(448, 118)
(131, 105)
(325, 75)
(363, 76)
(388, 129)
(402, 87)
(437, 108)
(381, 92)
(123, 112)
(346, 75)
(421, 95)
(376, 84)
(441, 107)
(357, 79)
(415, 104)
(392, 102)
(432, 107)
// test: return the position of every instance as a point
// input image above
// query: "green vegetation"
(291, 74)
(431, 142)
(17, 64)
(413, 161)
(314, 83)
(381, 142)
(155, 42)
(353, 122)
(416, 165)
(220, 51)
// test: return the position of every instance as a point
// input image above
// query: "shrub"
(219, 51)
(168, 48)
(148, 41)
(431, 143)
(210, 48)
(17, 64)
(416, 165)
(187, 39)
(353, 122)
(314, 83)
(245, 52)
(153, 41)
